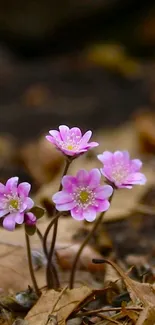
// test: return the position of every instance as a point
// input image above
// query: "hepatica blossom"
(14, 203)
(83, 195)
(71, 141)
(119, 169)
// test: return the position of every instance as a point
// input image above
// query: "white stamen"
(84, 197)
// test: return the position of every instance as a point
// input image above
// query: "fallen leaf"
(14, 269)
(57, 304)
(147, 316)
(139, 292)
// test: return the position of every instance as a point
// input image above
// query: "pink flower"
(70, 141)
(14, 202)
(83, 195)
(119, 169)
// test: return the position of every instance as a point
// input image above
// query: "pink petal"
(9, 222)
(29, 203)
(86, 137)
(82, 177)
(118, 157)
(24, 189)
(3, 203)
(3, 212)
(136, 178)
(19, 218)
(126, 156)
(106, 172)
(76, 132)
(92, 144)
(77, 214)
(106, 157)
(66, 206)
(69, 183)
(62, 197)
(136, 164)
(102, 205)
(69, 152)
(89, 214)
(124, 186)
(103, 192)
(23, 206)
(11, 185)
(2, 188)
(64, 132)
(55, 134)
(94, 178)
(50, 139)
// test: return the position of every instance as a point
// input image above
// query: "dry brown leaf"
(147, 316)
(139, 292)
(57, 304)
(14, 269)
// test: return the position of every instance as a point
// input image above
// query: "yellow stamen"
(14, 203)
(70, 147)
(84, 196)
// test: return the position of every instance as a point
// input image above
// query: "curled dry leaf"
(139, 292)
(59, 305)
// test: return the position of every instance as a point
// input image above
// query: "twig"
(110, 320)
(105, 310)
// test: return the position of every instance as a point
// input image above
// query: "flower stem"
(85, 242)
(53, 271)
(49, 278)
(39, 234)
(35, 285)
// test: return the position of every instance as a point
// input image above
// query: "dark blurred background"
(80, 62)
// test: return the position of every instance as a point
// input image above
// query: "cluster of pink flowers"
(82, 195)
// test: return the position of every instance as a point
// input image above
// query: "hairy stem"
(49, 277)
(85, 242)
(35, 285)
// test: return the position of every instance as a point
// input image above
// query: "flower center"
(70, 147)
(71, 143)
(120, 173)
(14, 203)
(84, 197)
